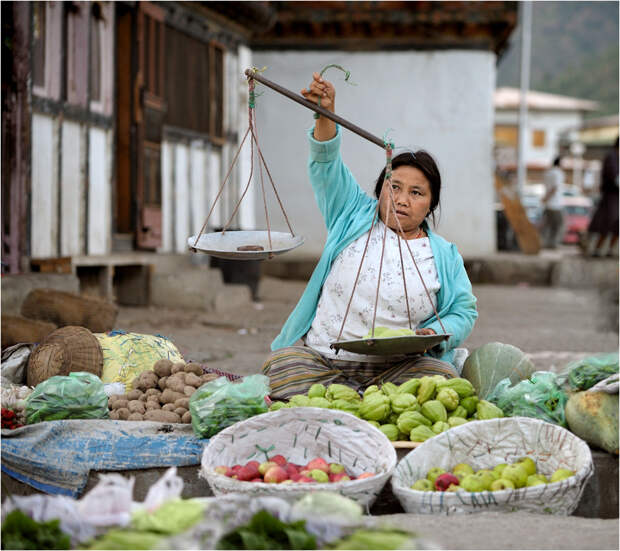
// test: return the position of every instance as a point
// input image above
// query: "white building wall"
(552, 122)
(438, 101)
(99, 191)
(73, 188)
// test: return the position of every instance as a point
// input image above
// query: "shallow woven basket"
(484, 444)
(301, 434)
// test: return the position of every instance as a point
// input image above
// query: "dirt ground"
(553, 325)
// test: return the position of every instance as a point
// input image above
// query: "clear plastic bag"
(584, 374)
(80, 395)
(539, 397)
(221, 403)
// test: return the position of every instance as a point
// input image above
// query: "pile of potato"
(161, 394)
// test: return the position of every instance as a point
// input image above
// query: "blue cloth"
(56, 456)
(348, 214)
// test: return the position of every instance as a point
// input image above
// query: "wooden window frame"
(52, 67)
(215, 138)
(537, 142)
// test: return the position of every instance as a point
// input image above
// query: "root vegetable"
(170, 396)
(182, 403)
(194, 368)
(143, 397)
(153, 394)
(162, 368)
(151, 404)
(123, 413)
(162, 416)
(168, 407)
(162, 383)
(187, 417)
(135, 417)
(207, 377)
(189, 390)
(175, 383)
(114, 415)
(136, 406)
(133, 395)
(121, 403)
(193, 380)
(179, 366)
(180, 411)
(146, 380)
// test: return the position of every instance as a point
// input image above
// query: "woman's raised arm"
(324, 129)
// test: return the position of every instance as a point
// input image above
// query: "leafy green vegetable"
(173, 517)
(373, 539)
(125, 539)
(264, 531)
(19, 531)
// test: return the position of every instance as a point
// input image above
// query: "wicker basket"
(484, 444)
(301, 434)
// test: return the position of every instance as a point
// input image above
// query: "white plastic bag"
(109, 502)
(169, 486)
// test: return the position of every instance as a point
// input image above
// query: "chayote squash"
(469, 404)
(320, 403)
(460, 411)
(411, 419)
(374, 423)
(391, 431)
(421, 433)
(371, 389)
(410, 387)
(341, 392)
(426, 391)
(456, 421)
(461, 386)
(317, 390)
(346, 405)
(593, 416)
(299, 400)
(487, 410)
(275, 406)
(489, 364)
(375, 407)
(389, 388)
(449, 398)
(439, 427)
(434, 411)
(403, 402)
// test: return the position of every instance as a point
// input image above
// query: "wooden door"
(149, 114)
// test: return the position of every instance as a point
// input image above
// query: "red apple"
(252, 468)
(305, 472)
(275, 474)
(318, 463)
(339, 477)
(264, 467)
(295, 477)
(247, 473)
(256, 480)
(279, 459)
(290, 469)
(221, 469)
(254, 463)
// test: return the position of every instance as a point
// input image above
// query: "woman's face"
(412, 200)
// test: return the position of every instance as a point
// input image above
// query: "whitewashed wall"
(439, 101)
(73, 170)
(552, 122)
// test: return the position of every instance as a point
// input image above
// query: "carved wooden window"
(39, 17)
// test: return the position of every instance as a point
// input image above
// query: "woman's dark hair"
(425, 164)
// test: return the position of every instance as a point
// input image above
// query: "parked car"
(577, 213)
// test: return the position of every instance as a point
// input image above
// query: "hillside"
(574, 52)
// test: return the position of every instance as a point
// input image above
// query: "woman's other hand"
(324, 129)
(425, 331)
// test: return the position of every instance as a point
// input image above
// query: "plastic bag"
(221, 403)
(80, 395)
(169, 486)
(584, 374)
(109, 503)
(539, 397)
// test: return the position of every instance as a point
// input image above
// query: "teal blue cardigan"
(348, 214)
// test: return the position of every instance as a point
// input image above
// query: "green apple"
(490, 473)
(499, 468)
(462, 469)
(534, 480)
(423, 485)
(473, 483)
(433, 473)
(516, 473)
(561, 474)
(502, 484)
(529, 464)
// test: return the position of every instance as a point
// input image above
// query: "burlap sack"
(17, 330)
(63, 351)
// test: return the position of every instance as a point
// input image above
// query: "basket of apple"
(503, 465)
(290, 452)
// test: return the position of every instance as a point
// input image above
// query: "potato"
(194, 368)
(153, 394)
(189, 390)
(182, 403)
(179, 366)
(112, 399)
(135, 417)
(136, 406)
(152, 404)
(162, 367)
(134, 394)
(121, 403)
(114, 415)
(146, 380)
(207, 377)
(168, 407)
(193, 380)
(187, 417)
(162, 383)
(170, 396)
(175, 383)
(180, 411)
(162, 416)
(143, 397)
(123, 413)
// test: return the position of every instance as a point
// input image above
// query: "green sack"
(79, 395)
(221, 403)
(584, 374)
(539, 397)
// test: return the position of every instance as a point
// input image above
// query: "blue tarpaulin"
(56, 456)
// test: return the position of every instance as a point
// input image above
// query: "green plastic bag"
(221, 403)
(539, 397)
(584, 374)
(80, 395)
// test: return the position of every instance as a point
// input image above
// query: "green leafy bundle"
(19, 531)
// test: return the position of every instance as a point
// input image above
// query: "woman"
(348, 214)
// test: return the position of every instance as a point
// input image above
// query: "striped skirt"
(295, 369)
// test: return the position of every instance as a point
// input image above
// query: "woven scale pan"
(484, 444)
(301, 434)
